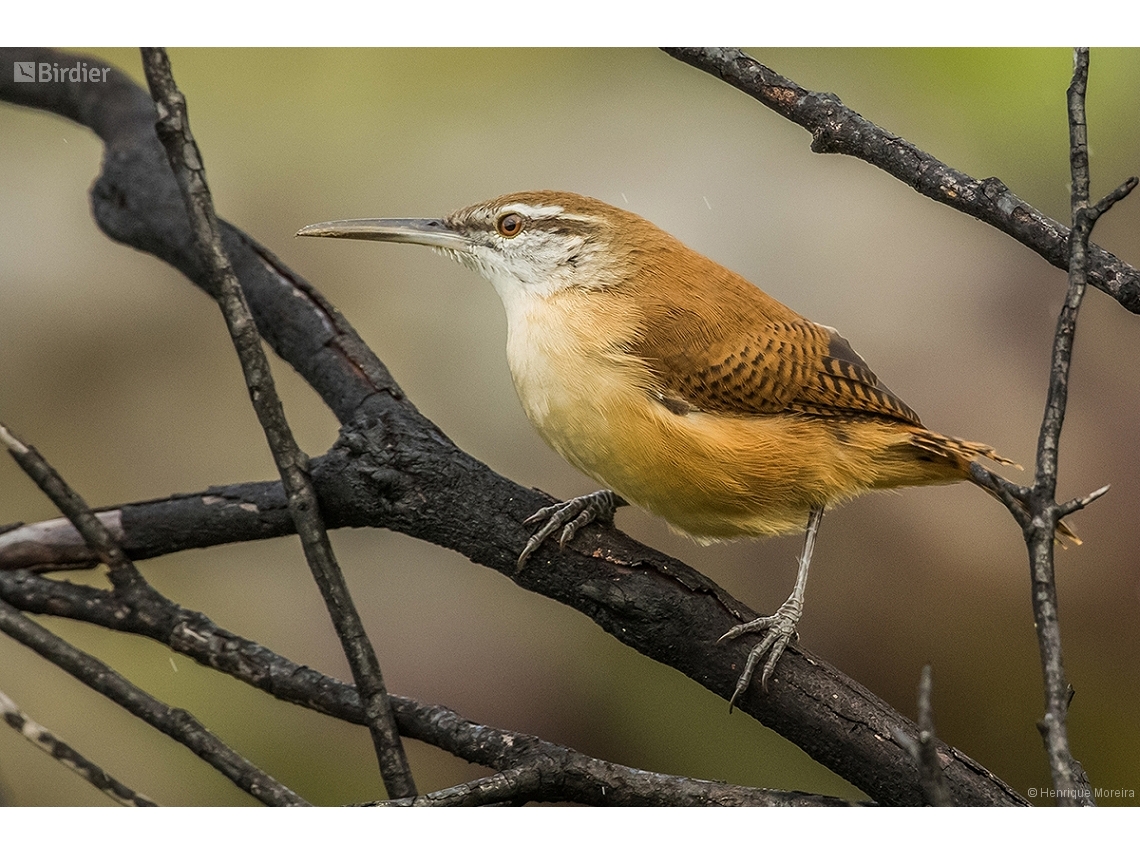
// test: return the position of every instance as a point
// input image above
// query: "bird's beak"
(424, 232)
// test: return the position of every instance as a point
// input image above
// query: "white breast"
(572, 374)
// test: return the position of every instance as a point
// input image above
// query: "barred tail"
(961, 453)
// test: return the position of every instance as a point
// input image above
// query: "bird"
(678, 385)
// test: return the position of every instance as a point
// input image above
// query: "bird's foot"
(779, 629)
(571, 516)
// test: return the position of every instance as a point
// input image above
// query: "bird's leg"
(571, 516)
(779, 628)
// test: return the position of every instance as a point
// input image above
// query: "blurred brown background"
(122, 374)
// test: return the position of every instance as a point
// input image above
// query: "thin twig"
(1069, 780)
(122, 573)
(1014, 496)
(53, 544)
(175, 723)
(837, 129)
(566, 775)
(173, 129)
(48, 742)
(924, 750)
(131, 594)
(1081, 502)
(511, 787)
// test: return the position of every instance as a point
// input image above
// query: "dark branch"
(837, 129)
(1069, 779)
(130, 591)
(105, 548)
(59, 750)
(1036, 509)
(1081, 502)
(924, 750)
(175, 723)
(173, 129)
(566, 775)
(558, 774)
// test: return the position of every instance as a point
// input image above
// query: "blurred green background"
(122, 374)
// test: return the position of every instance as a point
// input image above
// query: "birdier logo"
(53, 72)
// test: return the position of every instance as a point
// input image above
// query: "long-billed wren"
(679, 385)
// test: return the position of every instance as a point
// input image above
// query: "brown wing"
(752, 369)
(845, 385)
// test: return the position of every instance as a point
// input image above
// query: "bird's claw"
(571, 515)
(779, 629)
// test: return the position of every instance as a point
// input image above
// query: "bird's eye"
(509, 225)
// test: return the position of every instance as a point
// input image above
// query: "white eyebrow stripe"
(535, 211)
(538, 212)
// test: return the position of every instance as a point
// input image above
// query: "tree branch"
(923, 750)
(173, 128)
(122, 573)
(175, 723)
(1069, 779)
(562, 774)
(59, 750)
(837, 129)
(558, 774)
(131, 591)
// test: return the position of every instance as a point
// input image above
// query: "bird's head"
(534, 243)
